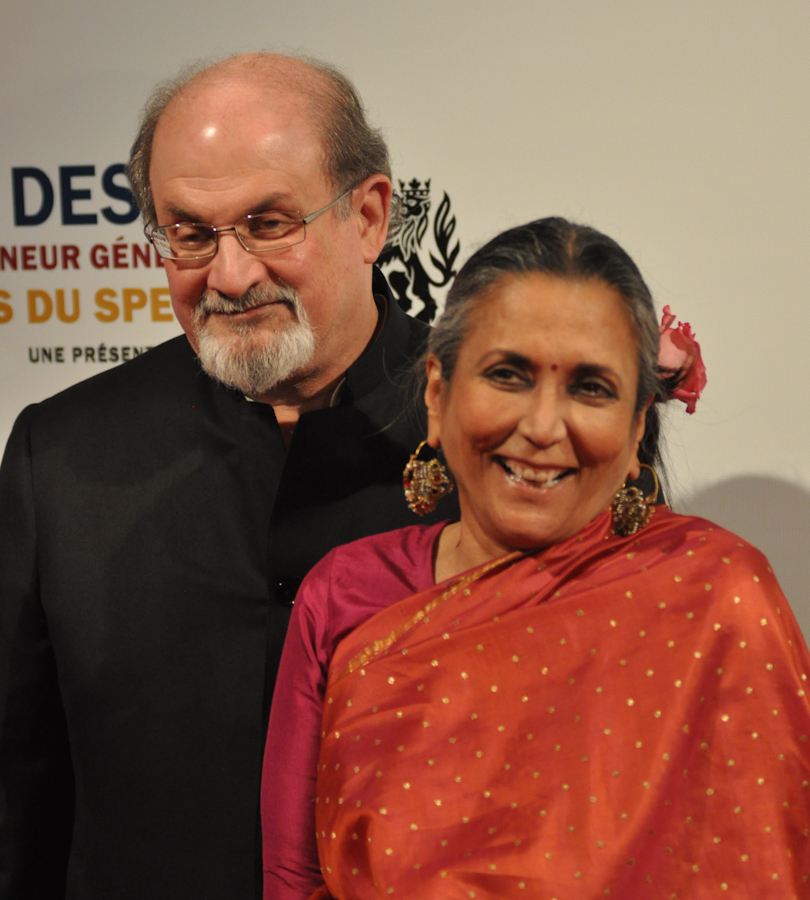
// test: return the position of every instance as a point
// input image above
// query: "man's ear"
(641, 422)
(434, 396)
(371, 201)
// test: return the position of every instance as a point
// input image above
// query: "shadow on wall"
(774, 516)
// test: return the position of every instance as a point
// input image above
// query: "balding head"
(351, 149)
(255, 139)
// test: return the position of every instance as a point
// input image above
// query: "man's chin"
(251, 359)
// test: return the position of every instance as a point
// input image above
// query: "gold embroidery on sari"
(382, 644)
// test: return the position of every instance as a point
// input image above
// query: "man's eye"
(192, 237)
(270, 223)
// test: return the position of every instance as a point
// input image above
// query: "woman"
(569, 692)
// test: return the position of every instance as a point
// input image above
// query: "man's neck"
(289, 410)
(317, 390)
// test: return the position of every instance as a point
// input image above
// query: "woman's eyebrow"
(596, 369)
(505, 356)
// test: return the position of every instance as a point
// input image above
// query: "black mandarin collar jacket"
(153, 530)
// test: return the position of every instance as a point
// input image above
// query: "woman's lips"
(525, 474)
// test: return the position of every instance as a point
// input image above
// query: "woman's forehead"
(536, 309)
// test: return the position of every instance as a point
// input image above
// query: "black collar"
(386, 355)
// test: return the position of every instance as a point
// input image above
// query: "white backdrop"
(680, 129)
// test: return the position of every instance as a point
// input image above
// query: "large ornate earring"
(631, 510)
(425, 481)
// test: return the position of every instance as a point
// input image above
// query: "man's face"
(228, 149)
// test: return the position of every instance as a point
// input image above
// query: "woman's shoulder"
(709, 546)
(738, 590)
(355, 581)
(411, 546)
(387, 566)
(701, 530)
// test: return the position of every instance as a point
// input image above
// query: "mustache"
(213, 302)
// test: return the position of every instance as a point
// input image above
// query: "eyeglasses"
(258, 233)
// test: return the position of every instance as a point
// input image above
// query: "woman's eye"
(506, 375)
(595, 389)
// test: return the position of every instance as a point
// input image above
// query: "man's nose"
(234, 270)
(543, 421)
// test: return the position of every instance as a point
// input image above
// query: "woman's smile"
(538, 421)
(523, 473)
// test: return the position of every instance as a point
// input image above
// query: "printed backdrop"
(680, 129)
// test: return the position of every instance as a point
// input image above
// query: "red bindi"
(554, 367)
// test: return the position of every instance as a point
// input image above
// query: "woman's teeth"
(545, 477)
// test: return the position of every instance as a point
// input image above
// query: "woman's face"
(538, 423)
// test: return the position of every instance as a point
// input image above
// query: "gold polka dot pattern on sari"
(630, 722)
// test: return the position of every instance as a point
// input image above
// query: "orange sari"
(612, 716)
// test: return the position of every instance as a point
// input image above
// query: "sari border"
(461, 583)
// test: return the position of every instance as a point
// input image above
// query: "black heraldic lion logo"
(404, 259)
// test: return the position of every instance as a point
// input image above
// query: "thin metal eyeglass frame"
(305, 220)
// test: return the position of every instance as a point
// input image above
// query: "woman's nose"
(543, 421)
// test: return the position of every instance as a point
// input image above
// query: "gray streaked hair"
(554, 246)
(353, 150)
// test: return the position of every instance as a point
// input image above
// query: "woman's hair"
(555, 246)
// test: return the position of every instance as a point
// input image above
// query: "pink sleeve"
(290, 853)
(348, 586)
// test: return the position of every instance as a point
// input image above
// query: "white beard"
(253, 357)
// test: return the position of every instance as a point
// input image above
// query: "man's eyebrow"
(272, 201)
(179, 214)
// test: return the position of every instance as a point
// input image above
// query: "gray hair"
(353, 150)
(555, 246)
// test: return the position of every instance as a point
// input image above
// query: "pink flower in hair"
(680, 352)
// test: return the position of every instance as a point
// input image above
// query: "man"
(157, 519)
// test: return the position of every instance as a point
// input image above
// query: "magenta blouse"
(348, 586)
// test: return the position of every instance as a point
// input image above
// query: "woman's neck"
(457, 551)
